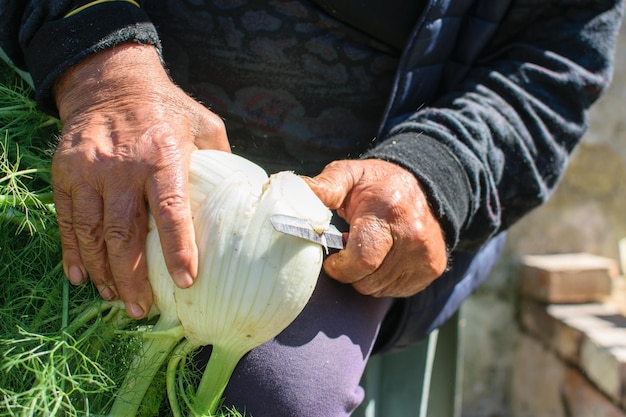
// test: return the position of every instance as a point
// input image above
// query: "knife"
(295, 226)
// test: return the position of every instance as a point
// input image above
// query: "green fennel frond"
(26, 139)
(56, 371)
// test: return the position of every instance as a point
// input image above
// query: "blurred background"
(586, 214)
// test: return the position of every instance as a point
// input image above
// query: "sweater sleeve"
(494, 145)
(45, 38)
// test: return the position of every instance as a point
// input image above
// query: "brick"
(560, 337)
(567, 278)
(602, 367)
(590, 337)
(544, 386)
(602, 350)
(581, 399)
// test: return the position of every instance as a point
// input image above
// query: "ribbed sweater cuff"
(59, 44)
(438, 171)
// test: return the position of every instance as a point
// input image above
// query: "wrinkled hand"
(127, 138)
(396, 246)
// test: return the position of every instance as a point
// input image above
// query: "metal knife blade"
(295, 226)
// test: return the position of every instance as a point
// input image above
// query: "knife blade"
(295, 226)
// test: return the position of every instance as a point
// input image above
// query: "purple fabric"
(313, 368)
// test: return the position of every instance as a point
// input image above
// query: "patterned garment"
(296, 87)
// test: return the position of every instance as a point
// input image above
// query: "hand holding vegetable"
(127, 139)
(396, 246)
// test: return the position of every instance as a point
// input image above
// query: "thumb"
(334, 184)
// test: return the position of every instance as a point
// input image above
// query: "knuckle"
(368, 264)
(65, 224)
(171, 208)
(364, 289)
(367, 286)
(123, 283)
(210, 132)
(119, 238)
(178, 257)
(89, 233)
(161, 142)
(439, 266)
(215, 123)
(338, 165)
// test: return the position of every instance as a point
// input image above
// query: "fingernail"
(182, 278)
(75, 275)
(134, 310)
(107, 294)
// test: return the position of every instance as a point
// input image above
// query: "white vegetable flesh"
(252, 280)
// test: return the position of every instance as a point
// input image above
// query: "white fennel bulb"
(252, 280)
(209, 168)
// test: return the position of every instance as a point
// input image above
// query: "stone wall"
(586, 214)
